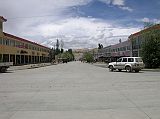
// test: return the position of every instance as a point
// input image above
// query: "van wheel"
(111, 68)
(136, 71)
(3, 69)
(119, 70)
(128, 69)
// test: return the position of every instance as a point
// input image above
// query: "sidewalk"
(101, 64)
(152, 70)
(105, 65)
(29, 66)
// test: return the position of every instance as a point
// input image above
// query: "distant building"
(78, 53)
(122, 49)
(112, 52)
(20, 51)
(103, 54)
(131, 47)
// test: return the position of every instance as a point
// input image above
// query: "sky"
(77, 23)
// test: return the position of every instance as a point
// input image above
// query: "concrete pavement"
(29, 66)
(79, 91)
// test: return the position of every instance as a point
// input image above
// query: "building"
(122, 49)
(129, 48)
(78, 53)
(103, 54)
(112, 52)
(20, 51)
(137, 39)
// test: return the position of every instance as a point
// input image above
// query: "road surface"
(79, 91)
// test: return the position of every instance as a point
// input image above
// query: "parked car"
(127, 63)
(4, 66)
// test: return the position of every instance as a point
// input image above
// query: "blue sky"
(140, 9)
(78, 23)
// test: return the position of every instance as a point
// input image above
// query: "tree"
(148, 24)
(57, 48)
(52, 54)
(71, 54)
(88, 57)
(151, 49)
(70, 51)
(62, 50)
(67, 55)
(61, 46)
(100, 46)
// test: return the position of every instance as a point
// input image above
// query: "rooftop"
(24, 40)
(157, 26)
(3, 19)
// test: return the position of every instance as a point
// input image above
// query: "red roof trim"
(3, 18)
(24, 40)
(147, 29)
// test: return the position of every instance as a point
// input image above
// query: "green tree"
(151, 49)
(68, 55)
(100, 46)
(71, 54)
(52, 54)
(148, 24)
(62, 50)
(57, 51)
(88, 57)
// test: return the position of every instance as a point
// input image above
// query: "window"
(1, 58)
(17, 44)
(124, 60)
(121, 49)
(0, 40)
(124, 48)
(130, 60)
(128, 48)
(119, 60)
(30, 47)
(12, 43)
(138, 60)
(26, 46)
(7, 42)
(4, 41)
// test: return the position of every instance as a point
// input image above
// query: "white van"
(127, 63)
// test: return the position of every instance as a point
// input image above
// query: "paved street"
(79, 91)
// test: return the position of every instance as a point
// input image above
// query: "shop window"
(1, 58)
(17, 44)
(26, 46)
(1, 41)
(4, 41)
(12, 43)
(8, 42)
(128, 48)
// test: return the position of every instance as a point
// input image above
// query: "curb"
(152, 70)
(30, 66)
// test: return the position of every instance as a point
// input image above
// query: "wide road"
(79, 91)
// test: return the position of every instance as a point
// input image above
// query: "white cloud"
(83, 32)
(145, 19)
(106, 1)
(76, 32)
(114, 2)
(126, 8)
(118, 2)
